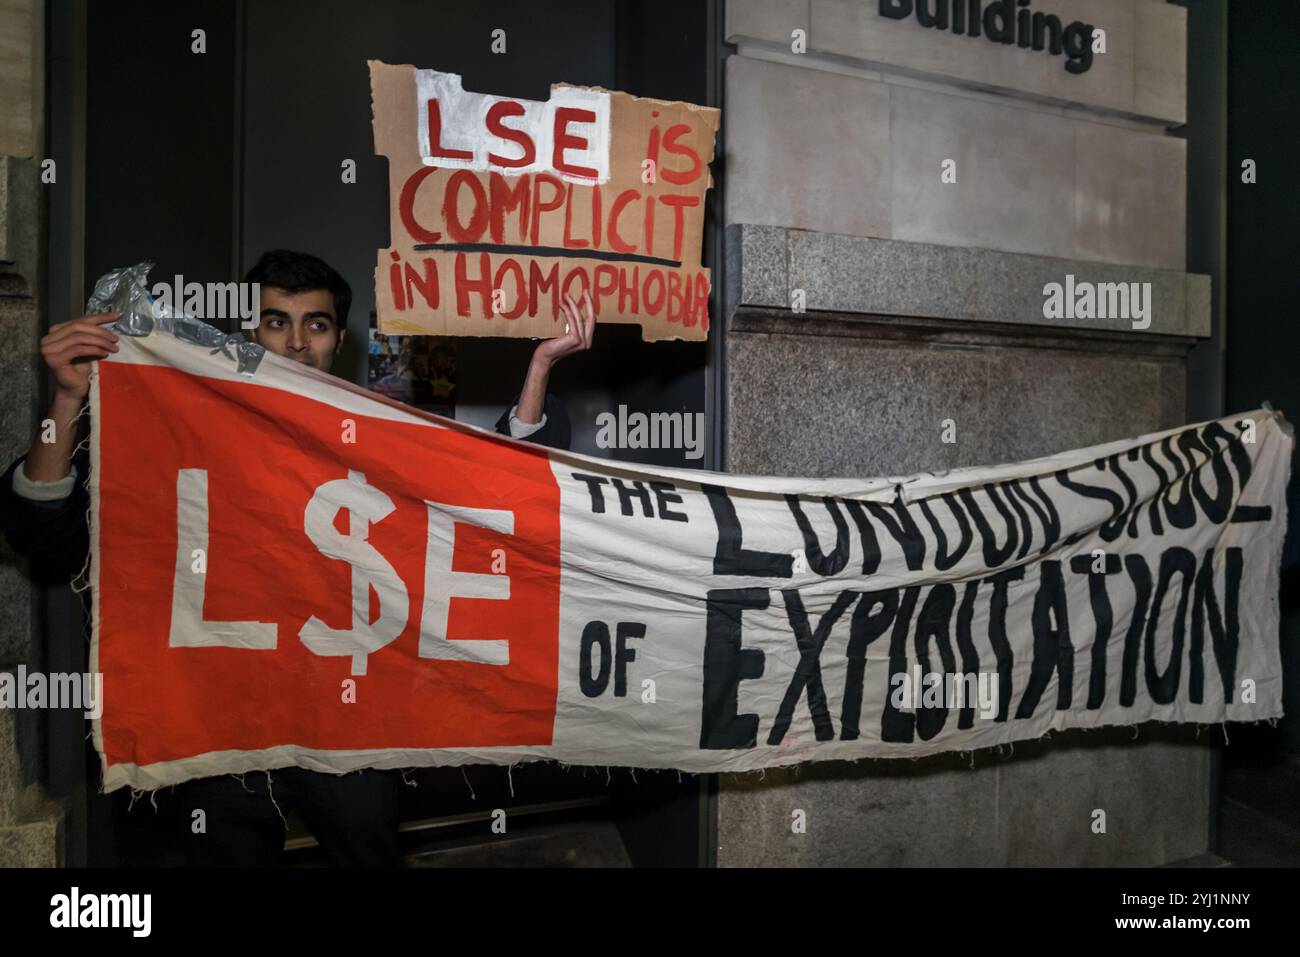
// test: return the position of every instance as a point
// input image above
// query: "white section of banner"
(659, 577)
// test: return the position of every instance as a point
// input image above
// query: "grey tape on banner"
(125, 291)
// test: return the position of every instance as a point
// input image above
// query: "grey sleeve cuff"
(35, 491)
(518, 430)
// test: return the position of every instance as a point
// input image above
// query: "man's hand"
(68, 350)
(577, 338)
(70, 347)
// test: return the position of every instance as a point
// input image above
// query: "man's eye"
(319, 327)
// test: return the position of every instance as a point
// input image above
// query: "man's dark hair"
(296, 272)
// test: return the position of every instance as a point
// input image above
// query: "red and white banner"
(289, 570)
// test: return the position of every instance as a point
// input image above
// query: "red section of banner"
(266, 452)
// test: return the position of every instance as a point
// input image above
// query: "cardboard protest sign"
(499, 206)
(332, 580)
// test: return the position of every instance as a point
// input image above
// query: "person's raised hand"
(577, 337)
(69, 348)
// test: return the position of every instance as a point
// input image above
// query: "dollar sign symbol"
(365, 504)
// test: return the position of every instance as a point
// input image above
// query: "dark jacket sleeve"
(555, 434)
(54, 535)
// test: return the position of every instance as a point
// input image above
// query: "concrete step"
(31, 827)
(36, 841)
(12, 791)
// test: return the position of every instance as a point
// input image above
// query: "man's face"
(301, 326)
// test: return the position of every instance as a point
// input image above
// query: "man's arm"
(553, 431)
(42, 505)
(45, 521)
(68, 349)
(537, 415)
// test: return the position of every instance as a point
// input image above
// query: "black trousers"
(353, 817)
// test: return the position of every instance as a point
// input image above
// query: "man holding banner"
(43, 513)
